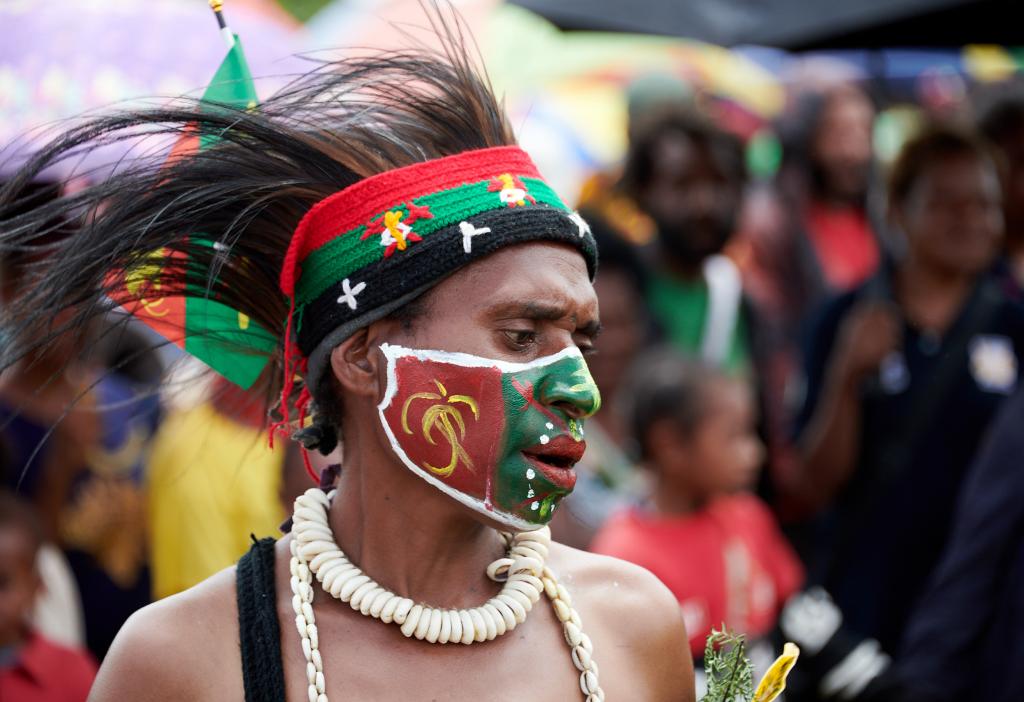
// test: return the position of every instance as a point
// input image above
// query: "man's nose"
(573, 392)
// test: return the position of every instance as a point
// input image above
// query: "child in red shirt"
(32, 669)
(715, 545)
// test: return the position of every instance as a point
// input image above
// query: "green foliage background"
(303, 9)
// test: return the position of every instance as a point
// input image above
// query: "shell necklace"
(523, 573)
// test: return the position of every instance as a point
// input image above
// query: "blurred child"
(713, 544)
(32, 668)
(607, 479)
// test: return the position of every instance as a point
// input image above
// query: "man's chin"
(513, 522)
(690, 256)
(533, 513)
(511, 518)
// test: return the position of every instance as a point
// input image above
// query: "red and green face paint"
(500, 437)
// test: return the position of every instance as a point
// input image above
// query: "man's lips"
(556, 459)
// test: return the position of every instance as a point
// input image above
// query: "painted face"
(500, 437)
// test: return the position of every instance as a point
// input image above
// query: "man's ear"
(354, 363)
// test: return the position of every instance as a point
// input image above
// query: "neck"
(686, 270)
(675, 501)
(931, 297)
(406, 534)
(838, 201)
(12, 639)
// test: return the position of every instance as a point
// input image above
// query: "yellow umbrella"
(523, 50)
(574, 82)
(565, 90)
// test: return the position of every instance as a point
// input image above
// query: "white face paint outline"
(393, 352)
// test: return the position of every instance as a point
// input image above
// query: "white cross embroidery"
(349, 297)
(580, 223)
(468, 232)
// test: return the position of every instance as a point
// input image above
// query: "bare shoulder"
(625, 593)
(182, 647)
(632, 605)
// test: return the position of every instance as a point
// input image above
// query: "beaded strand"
(523, 572)
(579, 642)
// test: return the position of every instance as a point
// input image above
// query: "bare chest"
(367, 660)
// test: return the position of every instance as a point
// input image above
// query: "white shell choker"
(523, 573)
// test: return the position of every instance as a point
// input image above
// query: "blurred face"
(953, 217)
(59, 350)
(691, 198)
(842, 146)
(723, 453)
(622, 329)
(485, 397)
(18, 583)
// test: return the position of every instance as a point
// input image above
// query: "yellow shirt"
(211, 483)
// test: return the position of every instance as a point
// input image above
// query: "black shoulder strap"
(262, 670)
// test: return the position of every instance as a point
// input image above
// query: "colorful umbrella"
(565, 90)
(62, 57)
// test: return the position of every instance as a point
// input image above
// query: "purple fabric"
(63, 57)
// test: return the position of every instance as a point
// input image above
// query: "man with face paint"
(433, 302)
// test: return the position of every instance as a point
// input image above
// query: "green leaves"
(730, 675)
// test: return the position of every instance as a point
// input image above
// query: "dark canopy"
(796, 24)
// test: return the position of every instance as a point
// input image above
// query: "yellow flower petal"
(774, 681)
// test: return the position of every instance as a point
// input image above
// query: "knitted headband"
(363, 252)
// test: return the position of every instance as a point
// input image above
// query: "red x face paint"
(500, 437)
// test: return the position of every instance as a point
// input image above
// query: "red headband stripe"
(345, 254)
(356, 204)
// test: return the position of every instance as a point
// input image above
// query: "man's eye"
(521, 338)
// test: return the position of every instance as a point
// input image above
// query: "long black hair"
(341, 122)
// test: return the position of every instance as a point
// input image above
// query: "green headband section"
(351, 251)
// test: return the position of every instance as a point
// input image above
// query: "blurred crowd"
(811, 388)
(810, 419)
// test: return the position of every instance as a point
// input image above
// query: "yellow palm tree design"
(444, 417)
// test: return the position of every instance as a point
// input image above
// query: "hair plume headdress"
(289, 211)
(339, 123)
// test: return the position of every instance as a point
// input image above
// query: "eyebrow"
(591, 329)
(546, 312)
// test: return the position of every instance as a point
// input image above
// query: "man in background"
(688, 177)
